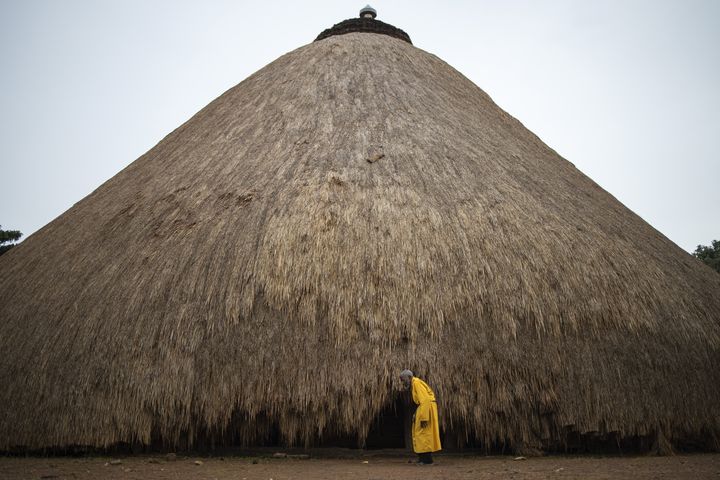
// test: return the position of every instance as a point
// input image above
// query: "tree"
(7, 236)
(709, 255)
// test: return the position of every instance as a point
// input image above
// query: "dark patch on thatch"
(233, 199)
(252, 275)
(364, 25)
(376, 157)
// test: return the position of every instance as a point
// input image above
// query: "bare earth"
(242, 468)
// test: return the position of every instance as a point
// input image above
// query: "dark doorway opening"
(388, 428)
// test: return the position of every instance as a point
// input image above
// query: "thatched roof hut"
(355, 207)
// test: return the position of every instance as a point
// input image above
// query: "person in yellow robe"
(426, 428)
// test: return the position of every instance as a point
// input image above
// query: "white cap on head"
(406, 373)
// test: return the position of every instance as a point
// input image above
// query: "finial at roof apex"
(366, 23)
(368, 12)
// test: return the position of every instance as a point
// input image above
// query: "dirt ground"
(145, 467)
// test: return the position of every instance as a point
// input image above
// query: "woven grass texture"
(354, 208)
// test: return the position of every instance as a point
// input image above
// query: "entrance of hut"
(391, 428)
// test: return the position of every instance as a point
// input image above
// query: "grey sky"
(628, 91)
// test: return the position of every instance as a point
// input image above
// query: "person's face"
(405, 381)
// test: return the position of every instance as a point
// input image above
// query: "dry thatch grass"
(255, 268)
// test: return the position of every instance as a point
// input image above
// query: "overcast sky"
(628, 91)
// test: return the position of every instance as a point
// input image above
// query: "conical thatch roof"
(354, 208)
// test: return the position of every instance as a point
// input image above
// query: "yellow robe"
(425, 439)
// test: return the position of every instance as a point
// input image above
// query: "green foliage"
(710, 255)
(7, 236)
